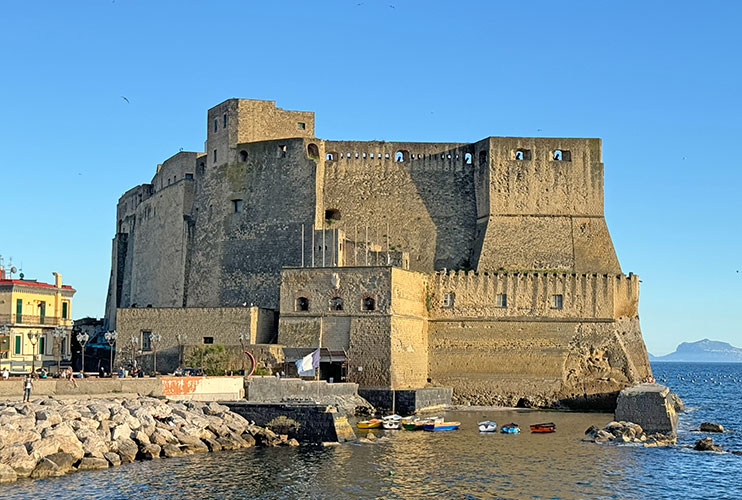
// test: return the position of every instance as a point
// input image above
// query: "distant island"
(703, 351)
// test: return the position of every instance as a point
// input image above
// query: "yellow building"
(35, 323)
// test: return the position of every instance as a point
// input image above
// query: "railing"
(29, 319)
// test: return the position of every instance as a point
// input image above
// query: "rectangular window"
(216, 125)
(18, 344)
(146, 340)
(215, 156)
(237, 206)
(208, 340)
(225, 120)
(448, 299)
(65, 310)
(19, 310)
(301, 125)
(282, 151)
(189, 177)
(557, 301)
(501, 300)
(42, 345)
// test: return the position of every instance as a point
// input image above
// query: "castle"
(487, 266)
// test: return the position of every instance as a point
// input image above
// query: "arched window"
(301, 304)
(332, 214)
(336, 304)
(368, 304)
(402, 156)
(522, 154)
(331, 156)
(243, 156)
(313, 151)
(561, 155)
(482, 158)
(467, 158)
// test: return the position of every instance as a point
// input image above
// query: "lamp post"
(111, 339)
(181, 338)
(83, 339)
(33, 337)
(59, 333)
(134, 342)
(154, 338)
(243, 338)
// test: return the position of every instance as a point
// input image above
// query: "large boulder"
(127, 449)
(650, 406)
(64, 461)
(16, 455)
(46, 468)
(706, 444)
(113, 458)
(92, 463)
(149, 451)
(7, 474)
(43, 447)
(51, 417)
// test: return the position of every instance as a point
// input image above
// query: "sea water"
(456, 464)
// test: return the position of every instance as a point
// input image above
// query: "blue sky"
(659, 82)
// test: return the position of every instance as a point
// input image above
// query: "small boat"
(412, 424)
(392, 422)
(373, 423)
(510, 428)
(543, 428)
(487, 426)
(441, 426)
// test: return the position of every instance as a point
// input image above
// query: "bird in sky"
(125, 99)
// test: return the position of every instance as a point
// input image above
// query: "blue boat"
(510, 429)
(441, 426)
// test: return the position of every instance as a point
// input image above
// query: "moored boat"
(373, 423)
(510, 428)
(391, 422)
(487, 426)
(543, 428)
(441, 426)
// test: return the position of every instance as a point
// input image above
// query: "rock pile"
(49, 437)
(627, 432)
(711, 427)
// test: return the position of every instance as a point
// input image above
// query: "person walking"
(6, 374)
(27, 384)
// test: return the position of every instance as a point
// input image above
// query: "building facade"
(489, 264)
(35, 323)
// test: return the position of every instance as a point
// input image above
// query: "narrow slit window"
(501, 300)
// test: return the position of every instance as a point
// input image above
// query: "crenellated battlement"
(533, 294)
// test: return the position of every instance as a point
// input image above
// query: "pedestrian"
(122, 372)
(101, 372)
(6, 374)
(27, 384)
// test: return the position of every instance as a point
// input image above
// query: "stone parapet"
(649, 405)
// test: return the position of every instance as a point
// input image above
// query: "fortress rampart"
(504, 234)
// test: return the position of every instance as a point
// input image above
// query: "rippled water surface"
(460, 464)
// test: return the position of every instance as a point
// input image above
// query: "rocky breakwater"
(49, 437)
(628, 432)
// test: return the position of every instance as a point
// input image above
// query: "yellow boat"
(374, 423)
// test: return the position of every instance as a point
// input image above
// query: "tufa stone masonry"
(486, 266)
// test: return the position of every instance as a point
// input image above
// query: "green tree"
(212, 359)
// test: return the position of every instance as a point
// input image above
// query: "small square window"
(237, 206)
(501, 300)
(208, 340)
(189, 176)
(301, 125)
(448, 299)
(557, 301)
(282, 151)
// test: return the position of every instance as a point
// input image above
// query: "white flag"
(304, 366)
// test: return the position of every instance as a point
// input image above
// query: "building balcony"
(31, 320)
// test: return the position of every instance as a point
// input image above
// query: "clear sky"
(659, 82)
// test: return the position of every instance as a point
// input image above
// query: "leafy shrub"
(212, 358)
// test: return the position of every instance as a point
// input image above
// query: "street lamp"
(59, 333)
(134, 342)
(5, 332)
(181, 338)
(111, 339)
(33, 337)
(154, 338)
(83, 339)
(243, 338)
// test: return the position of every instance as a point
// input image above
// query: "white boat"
(487, 426)
(391, 422)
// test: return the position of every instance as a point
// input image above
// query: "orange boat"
(543, 428)
(373, 423)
